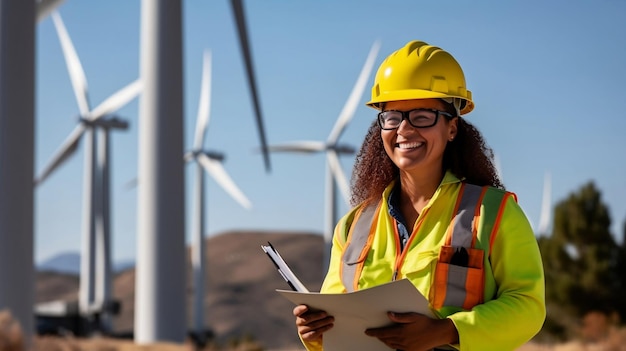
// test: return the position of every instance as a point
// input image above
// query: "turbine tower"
(17, 136)
(334, 173)
(160, 295)
(17, 132)
(96, 220)
(211, 162)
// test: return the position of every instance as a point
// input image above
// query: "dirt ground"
(108, 344)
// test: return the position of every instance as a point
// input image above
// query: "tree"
(581, 258)
(621, 273)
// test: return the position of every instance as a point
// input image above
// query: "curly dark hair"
(468, 157)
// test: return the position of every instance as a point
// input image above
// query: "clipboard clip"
(283, 268)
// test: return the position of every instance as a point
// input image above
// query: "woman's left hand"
(415, 332)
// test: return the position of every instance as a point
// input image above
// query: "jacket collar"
(448, 178)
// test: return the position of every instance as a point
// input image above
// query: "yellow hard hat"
(421, 71)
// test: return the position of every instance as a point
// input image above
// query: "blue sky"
(548, 78)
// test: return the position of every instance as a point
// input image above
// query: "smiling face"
(418, 150)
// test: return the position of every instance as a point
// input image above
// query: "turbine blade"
(355, 96)
(74, 67)
(217, 171)
(247, 55)
(498, 166)
(340, 177)
(45, 7)
(66, 150)
(546, 206)
(298, 146)
(117, 100)
(204, 106)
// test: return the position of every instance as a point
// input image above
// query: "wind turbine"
(96, 221)
(546, 206)
(334, 174)
(211, 162)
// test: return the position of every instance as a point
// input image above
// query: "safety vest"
(459, 273)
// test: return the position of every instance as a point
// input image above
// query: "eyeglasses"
(418, 118)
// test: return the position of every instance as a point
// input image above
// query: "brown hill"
(51, 286)
(240, 287)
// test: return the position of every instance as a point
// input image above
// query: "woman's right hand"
(312, 324)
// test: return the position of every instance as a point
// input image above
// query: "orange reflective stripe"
(496, 222)
(440, 286)
(474, 284)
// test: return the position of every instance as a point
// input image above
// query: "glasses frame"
(405, 116)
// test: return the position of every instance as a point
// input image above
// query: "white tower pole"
(17, 118)
(197, 254)
(86, 296)
(160, 283)
(330, 219)
(103, 231)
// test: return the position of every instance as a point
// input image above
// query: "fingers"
(300, 309)
(388, 336)
(409, 317)
(312, 324)
(315, 330)
(409, 331)
(314, 320)
(384, 332)
(307, 316)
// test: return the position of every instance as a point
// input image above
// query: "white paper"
(356, 311)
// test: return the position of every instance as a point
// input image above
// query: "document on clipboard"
(354, 311)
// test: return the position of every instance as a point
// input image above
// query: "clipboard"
(283, 268)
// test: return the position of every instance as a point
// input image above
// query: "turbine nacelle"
(213, 155)
(112, 122)
(343, 149)
(309, 147)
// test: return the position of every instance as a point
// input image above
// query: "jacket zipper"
(401, 254)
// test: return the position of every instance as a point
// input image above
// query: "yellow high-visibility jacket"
(514, 287)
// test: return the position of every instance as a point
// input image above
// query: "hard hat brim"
(415, 94)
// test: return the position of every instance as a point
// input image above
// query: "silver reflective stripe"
(461, 237)
(462, 232)
(358, 240)
(455, 290)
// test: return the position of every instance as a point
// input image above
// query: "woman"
(429, 207)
